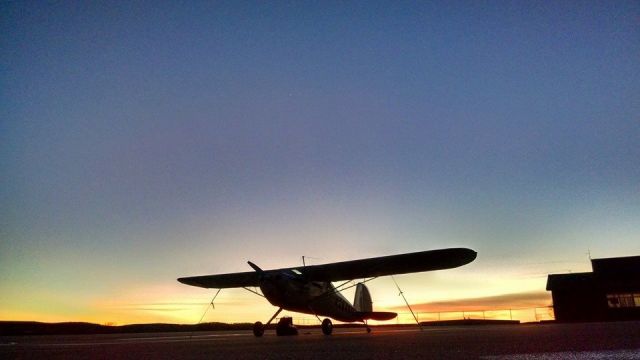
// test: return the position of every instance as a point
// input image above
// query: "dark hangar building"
(610, 292)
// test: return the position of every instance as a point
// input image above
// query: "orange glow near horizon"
(181, 304)
(432, 295)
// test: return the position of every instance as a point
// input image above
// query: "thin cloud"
(168, 306)
(497, 302)
(158, 309)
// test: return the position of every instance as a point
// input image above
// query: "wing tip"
(465, 255)
(189, 281)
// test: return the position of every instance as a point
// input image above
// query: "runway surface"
(536, 341)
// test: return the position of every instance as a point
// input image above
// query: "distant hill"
(8, 328)
(17, 328)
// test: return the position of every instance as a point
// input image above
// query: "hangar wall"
(610, 292)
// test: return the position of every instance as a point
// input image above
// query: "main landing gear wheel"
(258, 329)
(327, 327)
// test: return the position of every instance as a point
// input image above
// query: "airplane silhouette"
(309, 289)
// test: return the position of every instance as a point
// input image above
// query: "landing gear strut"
(258, 328)
(327, 327)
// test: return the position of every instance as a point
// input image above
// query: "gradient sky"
(145, 141)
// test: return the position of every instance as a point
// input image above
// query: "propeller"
(263, 275)
(256, 268)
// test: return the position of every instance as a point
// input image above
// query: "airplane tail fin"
(362, 301)
(364, 306)
(377, 315)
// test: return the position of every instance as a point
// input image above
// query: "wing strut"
(340, 288)
(406, 302)
(212, 305)
(207, 309)
(253, 291)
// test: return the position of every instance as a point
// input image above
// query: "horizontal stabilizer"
(377, 315)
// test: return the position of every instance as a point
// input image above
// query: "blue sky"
(144, 141)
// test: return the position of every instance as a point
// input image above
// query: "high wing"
(389, 265)
(346, 270)
(223, 281)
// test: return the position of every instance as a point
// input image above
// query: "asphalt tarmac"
(619, 340)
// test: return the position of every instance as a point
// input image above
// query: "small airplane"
(309, 289)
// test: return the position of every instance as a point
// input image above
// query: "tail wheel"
(327, 327)
(258, 329)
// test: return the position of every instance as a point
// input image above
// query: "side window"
(623, 300)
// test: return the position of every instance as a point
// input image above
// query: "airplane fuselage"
(318, 298)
